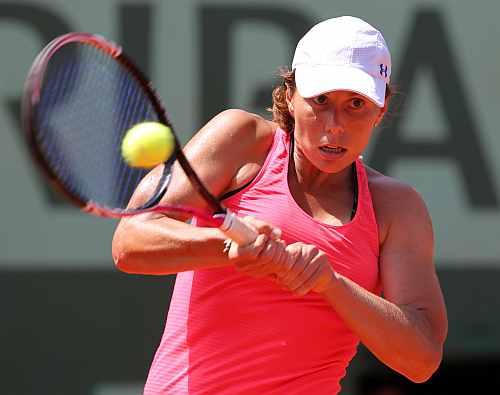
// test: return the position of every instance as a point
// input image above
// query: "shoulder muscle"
(224, 145)
(396, 204)
(227, 143)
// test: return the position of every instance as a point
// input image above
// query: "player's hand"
(305, 269)
(264, 256)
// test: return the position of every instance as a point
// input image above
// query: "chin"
(336, 165)
(335, 168)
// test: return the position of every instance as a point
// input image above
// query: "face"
(333, 129)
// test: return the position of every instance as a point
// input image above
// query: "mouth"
(332, 150)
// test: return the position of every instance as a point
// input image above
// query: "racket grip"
(237, 230)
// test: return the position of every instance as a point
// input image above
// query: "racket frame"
(30, 102)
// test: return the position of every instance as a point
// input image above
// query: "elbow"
(122, 255)
(421, 376)
(131, 255)
(128, 262)
(121, 259)
(423, 369)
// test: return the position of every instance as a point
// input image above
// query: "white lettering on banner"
(444, 141)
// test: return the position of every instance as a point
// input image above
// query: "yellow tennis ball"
(147, 144)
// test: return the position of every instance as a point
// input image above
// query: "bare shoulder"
(395, 201)
(231, 149)
(226, 152)
(238, 128)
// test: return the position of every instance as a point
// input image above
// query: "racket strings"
(136, 110)
(128, 110)
(87, 103)
(50, 97)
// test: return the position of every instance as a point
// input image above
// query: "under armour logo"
(383, 71)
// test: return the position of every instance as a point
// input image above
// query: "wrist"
(329, 288)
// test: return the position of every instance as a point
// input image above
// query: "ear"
(381, 115)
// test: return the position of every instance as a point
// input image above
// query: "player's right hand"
(264, 256)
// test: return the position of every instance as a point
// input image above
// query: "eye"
(357, 102)
(321, 99)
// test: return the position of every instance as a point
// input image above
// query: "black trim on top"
(354, 179)
(354, 190)
(354, 183)
(235, 191)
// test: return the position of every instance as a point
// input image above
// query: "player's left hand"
(306, 269)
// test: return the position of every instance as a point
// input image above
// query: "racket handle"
(237, 230)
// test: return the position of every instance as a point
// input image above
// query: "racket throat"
(214, 204)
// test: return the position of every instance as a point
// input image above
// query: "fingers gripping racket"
(81, 96)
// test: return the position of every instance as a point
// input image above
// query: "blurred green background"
(72, 324)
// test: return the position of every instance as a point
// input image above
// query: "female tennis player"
(344, 253)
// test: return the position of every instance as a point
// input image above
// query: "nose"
(331, 121)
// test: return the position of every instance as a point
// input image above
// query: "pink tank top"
(227, 333)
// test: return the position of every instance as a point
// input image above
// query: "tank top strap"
(275, 165)
(365, 212)
(278, 155)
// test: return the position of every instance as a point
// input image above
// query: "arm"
(225, 153)
(407, 328)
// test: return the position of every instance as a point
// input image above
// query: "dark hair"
(280, 112)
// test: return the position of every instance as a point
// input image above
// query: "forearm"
(399, 336)
(166, 246)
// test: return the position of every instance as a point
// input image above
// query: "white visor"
(343, 53)
(319, 79)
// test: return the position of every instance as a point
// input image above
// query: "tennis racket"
(81, 96)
